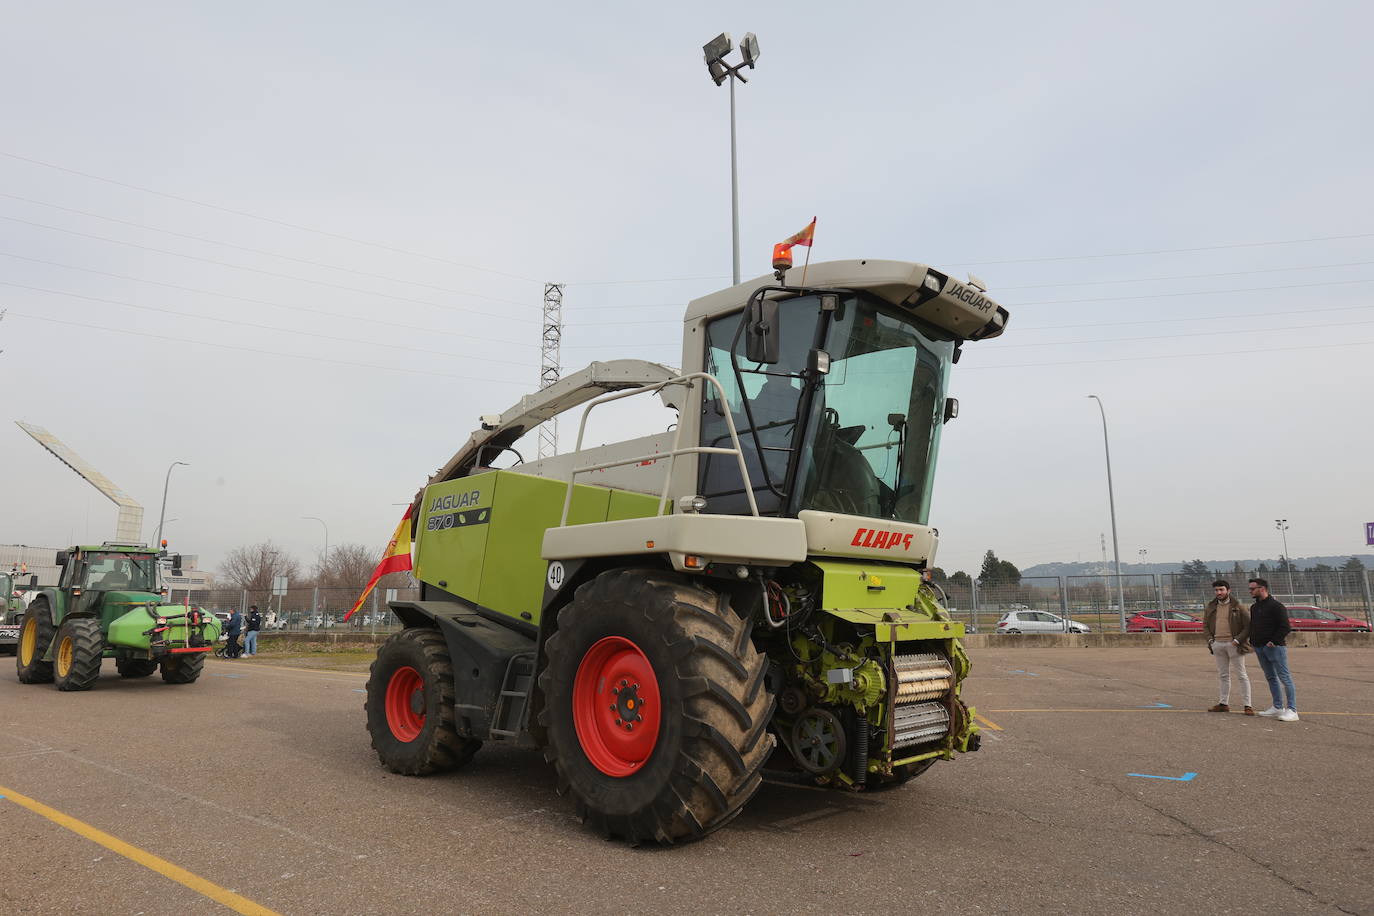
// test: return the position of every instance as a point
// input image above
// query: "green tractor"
(108, 604)
(11, 608)
(674, 618)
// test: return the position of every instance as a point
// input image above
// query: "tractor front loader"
(108, 604)
(673, 619)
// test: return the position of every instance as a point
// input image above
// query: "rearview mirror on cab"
(762, 337)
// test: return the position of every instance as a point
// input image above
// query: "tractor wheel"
(655, 707)
(900, 775)
(409, 706)
(135, 667)
(183, 669)
(35, 635)
(77, 655)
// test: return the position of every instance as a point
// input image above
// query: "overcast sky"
(301, 247)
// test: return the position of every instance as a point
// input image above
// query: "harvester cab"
(109, 603)
(674, 617)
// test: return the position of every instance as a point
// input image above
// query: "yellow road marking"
(990, 724)
(146, 859)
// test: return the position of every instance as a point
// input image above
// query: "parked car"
(1038, 622)
(1306, 617)
(1174, 622)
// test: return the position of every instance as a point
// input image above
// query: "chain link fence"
(306, 608)
(1106, 603)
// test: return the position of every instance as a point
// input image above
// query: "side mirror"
(33, 581)
(762, 332)
(63, 556)
(176, 564)
(951, 408)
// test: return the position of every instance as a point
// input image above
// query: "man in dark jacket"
(233, 649)
(1269, 627)
(250, 638)
(1227, 623)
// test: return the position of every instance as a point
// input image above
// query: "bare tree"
(253, 566)
(349, 567)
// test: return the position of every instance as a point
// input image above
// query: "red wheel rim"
(405, 703)
(616, 706)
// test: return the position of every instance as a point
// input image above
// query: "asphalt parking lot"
(1102, 787)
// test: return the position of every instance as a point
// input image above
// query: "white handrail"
(671, 455)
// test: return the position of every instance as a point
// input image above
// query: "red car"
(1306, 617)
(1174, 622)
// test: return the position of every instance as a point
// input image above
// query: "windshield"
(876, 426)
(873, 427)
(120, 572)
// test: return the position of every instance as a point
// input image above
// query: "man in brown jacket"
(1227, 623)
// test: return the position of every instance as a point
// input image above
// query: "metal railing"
(672, 454)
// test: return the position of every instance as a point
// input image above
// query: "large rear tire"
(78, 653)
(409, 706)
(184, 668)
(135, 667)
(650, 649)
(35, 635)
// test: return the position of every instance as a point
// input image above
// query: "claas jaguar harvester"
(108, 603)
(744, 596)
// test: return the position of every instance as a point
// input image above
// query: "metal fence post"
(1368, 601)
(374, 612)
(973, 600)
(1159, 593)
(1064, 603)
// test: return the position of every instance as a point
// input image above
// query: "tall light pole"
(715, 51)
(1282, 525)
(314, 518)
(1111, 501)
(162, 516)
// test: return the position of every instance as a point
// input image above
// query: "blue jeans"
(250, 643)
(1273, 661)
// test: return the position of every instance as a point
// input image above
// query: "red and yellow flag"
(802, 238)
(395, 559)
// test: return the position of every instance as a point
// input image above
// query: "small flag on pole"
(782, 252)
(395, 559)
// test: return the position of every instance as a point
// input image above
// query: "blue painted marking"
(359, 690)
(1025, 672)
(216, 674)
(1156, 706)
(1186, 777)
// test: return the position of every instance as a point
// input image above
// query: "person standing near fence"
(233, 649)
(1269, 627)
(250, 637)
(1227, 623)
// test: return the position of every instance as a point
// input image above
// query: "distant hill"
(1096, 567)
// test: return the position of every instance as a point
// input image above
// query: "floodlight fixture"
(719, 72)
(718, 47)
(749, 48)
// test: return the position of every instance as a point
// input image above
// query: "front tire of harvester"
(900, 775)
(35, 635)
(135, 667)
(410, 697)
(650, 648)
(184, 668)
(78, 653)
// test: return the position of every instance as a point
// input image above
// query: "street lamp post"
(1111, 502)
(323, 562)
(1282, 525)
(715, 51)
(162, 516)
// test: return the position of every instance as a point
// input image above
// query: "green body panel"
(126, 630)
(480, 537)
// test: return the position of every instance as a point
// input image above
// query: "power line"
(1191, 318)
(309, 310)
(1201, 292)
(270, 254)
(261, 327)
(1228, 273)
(1136, 254)
(224, 346)
(266, 219)
(1067, 343)
(1194, 356)
(270, 273)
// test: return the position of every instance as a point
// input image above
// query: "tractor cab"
(104, 582)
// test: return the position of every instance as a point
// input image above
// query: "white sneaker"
(1271, 711)
(1288, 715)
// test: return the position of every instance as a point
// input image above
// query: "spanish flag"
(802, 238)
(395, 559)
